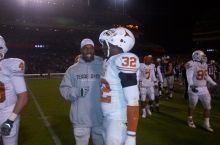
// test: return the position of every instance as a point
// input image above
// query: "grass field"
(45, 120)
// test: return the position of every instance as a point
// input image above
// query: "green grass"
(165, 128)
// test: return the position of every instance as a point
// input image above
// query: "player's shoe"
(207, 128)
(148, 112)
(144, 114)
(190, 123)
(170, 96)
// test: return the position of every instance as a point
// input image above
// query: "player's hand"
(84, 91)
(130, 140)
(217, 87)
(6, 127)
(194, 88)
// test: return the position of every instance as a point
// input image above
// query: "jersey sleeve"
(15, 66)
(189, 72)
(127, 63)
(152, 71)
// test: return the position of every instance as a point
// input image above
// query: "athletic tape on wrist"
(13, 116)
(131, 133)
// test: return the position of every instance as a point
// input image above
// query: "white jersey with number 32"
(114, 105)
(11, 70)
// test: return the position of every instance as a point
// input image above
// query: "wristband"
(13, 116)
(131, 133)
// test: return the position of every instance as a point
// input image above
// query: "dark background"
(178, 26)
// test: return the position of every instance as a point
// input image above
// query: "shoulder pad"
(127, 62)
(189, 64)
(15, 66)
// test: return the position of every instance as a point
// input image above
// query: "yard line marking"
(46, 122)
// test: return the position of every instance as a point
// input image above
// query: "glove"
(193, 88)
(6, 127)
(84, 91)
(156, 84)
(130, 140)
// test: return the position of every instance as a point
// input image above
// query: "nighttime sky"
(169, 23)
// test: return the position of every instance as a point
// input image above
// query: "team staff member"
(120, 93)
(81, 86)
(13, 95)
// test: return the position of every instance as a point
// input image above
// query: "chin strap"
(108, 51)
(2, 55)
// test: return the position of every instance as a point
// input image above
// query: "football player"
(120, 94)
(13, 95)
(197, 78)
(159, 84)
(168, 77)
(147, 82)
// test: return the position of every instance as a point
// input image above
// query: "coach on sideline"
(81, 86)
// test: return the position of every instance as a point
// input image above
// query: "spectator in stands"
(81, 86)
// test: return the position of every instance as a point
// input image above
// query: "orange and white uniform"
(147, 81)
(11, 83)
(197, 75)
(114, 101)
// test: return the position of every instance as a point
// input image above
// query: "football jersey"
(114, 105)
(10, 68)
(147, 75)
(196, 73)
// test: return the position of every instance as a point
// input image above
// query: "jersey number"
(147, 74)
(129, 61)
(2, 92)
(201, 74)
(105, 89)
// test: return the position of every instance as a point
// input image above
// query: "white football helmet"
(158, 60)
(212, 61)
(3, 48)
(120, 37)
(199, 56)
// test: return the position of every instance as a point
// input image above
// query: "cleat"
(148, 112)
(190, 123)
(170, 96)
(207, 128)
(144, 115)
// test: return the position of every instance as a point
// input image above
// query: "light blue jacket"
(85, 110)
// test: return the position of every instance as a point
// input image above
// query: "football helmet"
(199, 56)
(120, 37)
(158, 60)
(3, 48)
(212, 61)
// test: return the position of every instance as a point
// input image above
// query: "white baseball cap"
(86, 41)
